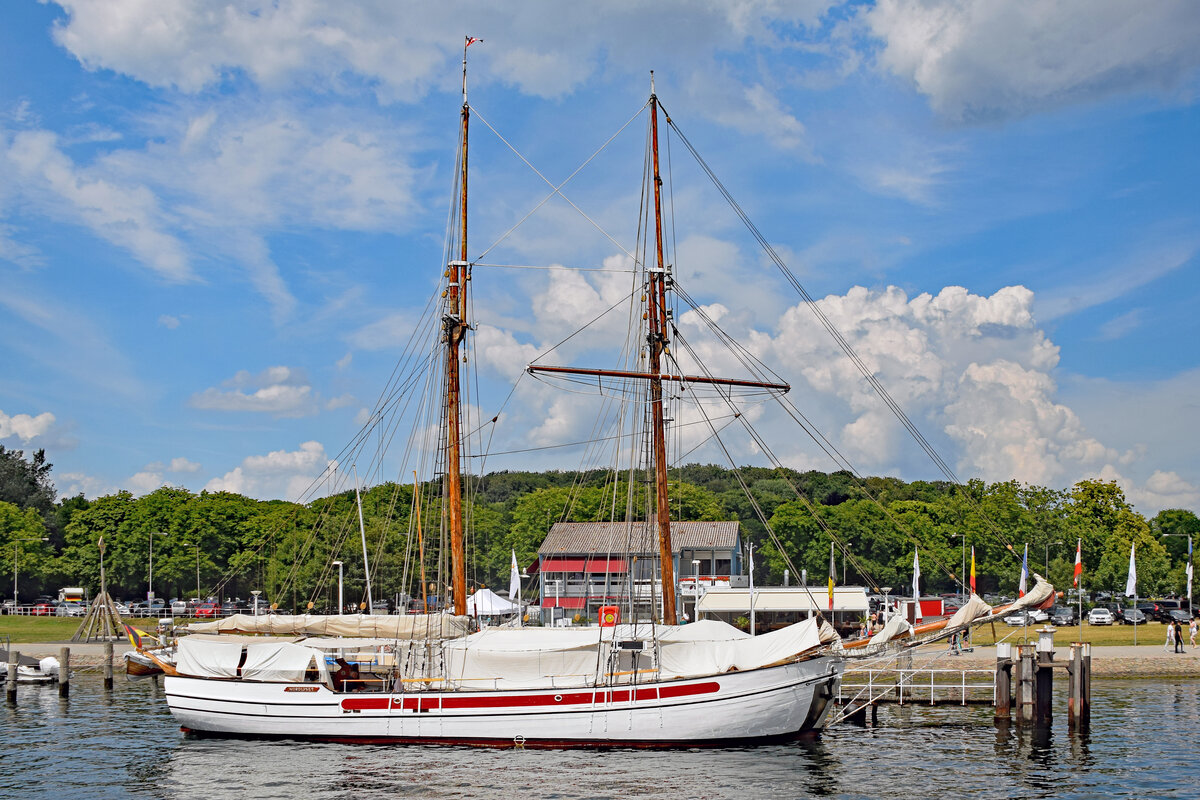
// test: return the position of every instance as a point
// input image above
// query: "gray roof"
(571, 538)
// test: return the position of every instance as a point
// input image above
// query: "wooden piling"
(10, 693)
(108, 666)
(1003, 686)
(1043, 713)
(1025, 684)
(64, 672)
(1079, 694)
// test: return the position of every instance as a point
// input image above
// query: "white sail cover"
(895, 626)
(685, 654)
(486, 603)
(1040, 593)
(973, 609)
(279, 662)
(396, 626)
(532, 658)
(207, 659)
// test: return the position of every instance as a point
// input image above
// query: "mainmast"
(657, 318)
(656, 338)
(456, 328)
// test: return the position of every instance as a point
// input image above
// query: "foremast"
(456, 327)
(656, 337)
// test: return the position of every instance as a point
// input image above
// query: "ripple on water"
(1141, 745)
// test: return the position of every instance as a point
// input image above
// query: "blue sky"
(217, 223)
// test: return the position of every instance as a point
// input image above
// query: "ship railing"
(911, 686)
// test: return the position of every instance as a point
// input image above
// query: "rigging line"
(589, 323)
(833, 331)
(556, 190)
(767, 450)
(550, 267)
(615, 437)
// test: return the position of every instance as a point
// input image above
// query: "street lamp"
(150, 576)
(1189, 538)
(16, 544)
(256, 593)
(341, 604)
(197, 573)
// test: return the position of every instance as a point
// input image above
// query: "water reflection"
(99, 746)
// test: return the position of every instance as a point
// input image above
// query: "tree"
(26, 484)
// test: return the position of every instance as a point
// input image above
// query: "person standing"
(1192, 629)
(1179, 638)
(1170, 636)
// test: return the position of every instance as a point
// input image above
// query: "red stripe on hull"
(603, 697)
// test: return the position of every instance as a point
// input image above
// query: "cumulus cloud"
(401, 53)
(24, 426)
(279, 391)
(994, 58)
(169, 322)
(183, 465)
(71, 484)
(280, 474)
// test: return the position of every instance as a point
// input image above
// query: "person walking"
(1192, 629)
(1170, 636)
(1179, 638)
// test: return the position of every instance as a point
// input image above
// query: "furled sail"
(407, 626)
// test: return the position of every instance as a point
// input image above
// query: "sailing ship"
(433, 678)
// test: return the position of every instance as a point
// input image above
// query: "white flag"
(916, 585)
(1189, 568)
(514, 581)
(1024, 587)
(1131, 582)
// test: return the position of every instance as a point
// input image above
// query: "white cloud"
(1161, 490)
(70, 484)
(1104, 285)
(341, 401)
(181, 464)
(168, 322)
(280, 474)
(992, 58)
(144, 482)
(24, 426)
(1118, 327)
(279, 391)
(123, 212)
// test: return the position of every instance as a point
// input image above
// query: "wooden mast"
(657, 339)
(456, 328)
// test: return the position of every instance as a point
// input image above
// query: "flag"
(1024, 573)
(136, 637)
(916, 585)
(470, 41)
(1079, 563)
(1131, 581)
(831, 576)
(1189, 568)
(514, 581)
(972, 570)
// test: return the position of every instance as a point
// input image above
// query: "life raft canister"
(609, 616)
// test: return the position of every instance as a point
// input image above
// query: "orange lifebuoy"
(609, 616)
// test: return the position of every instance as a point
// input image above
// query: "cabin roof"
(636, 537)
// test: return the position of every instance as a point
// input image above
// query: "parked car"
(179, 608)
(42, 609)
(1180, 616)
(208, 610)
(1100, 616)
(1020, 618)
(66, 609)
(229, 607)
(1132, 616)
(1063, 615)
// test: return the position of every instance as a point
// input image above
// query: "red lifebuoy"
(609, 616)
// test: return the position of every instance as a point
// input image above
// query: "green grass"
(1151, 633)
(58, 629)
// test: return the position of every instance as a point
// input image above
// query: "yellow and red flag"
(831, 568)
(972, 570)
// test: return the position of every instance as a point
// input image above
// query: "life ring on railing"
(609, 616)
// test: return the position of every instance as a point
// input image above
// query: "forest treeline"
(230, 544)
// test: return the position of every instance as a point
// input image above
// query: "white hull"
(772, 702)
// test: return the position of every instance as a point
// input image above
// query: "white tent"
(486, 603)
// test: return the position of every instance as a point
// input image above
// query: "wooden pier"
(1027, 670)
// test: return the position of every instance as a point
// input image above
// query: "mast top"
(652, 83)
(468, 41)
